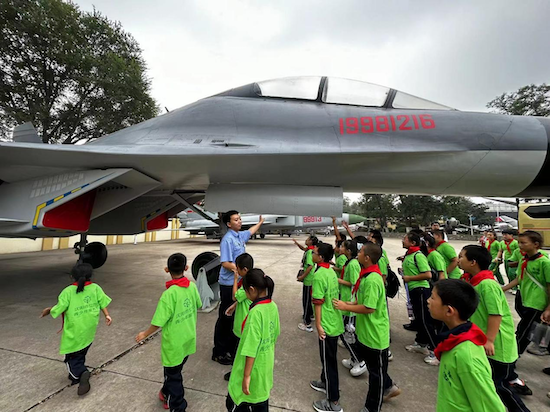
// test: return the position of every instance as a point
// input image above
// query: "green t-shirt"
(465, 383)
(494, 249)
(258, 341)
(532, 296)
(373, 329)
(437, 262)
(413, 265)
(383, 263)
(325, 288)
(243, 304)
(81, 315)
(307, 260)
(176, 314)
(448, 252)
(351, 274)
(517, 256)
(492, 301)
(513, 246)
(340, 263)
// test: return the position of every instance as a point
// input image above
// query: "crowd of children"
(462, 320)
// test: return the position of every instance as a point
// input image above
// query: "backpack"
(392, 283)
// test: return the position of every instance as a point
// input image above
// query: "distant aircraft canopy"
(336, 90)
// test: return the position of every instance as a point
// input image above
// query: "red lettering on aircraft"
(368, 124)
(312, 219)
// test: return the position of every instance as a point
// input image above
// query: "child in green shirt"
(493, 246)
(373, 327)
(534, 280)
(330, 328)
(494, 318)
(239, 309)
(464, 383)
(449, 254)
(507, 248)
(435, 259)
(306, 276)
(252, 375)
(79, 304)
(176, 314)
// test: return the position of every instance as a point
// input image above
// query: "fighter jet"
(195, 224)
(288, 146)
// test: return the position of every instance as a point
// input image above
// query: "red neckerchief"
(239, 283)
(466, 277)
(412, 250)
(462, 333)
(364, 272)
(440, 243)
(182, 282)
(63, 314)
(482, 275)
(526, 260)
(344, 268)
(324, 265)
(490, 244)
(507, 242)
(430, 251)
(310, 247)
(260, 301)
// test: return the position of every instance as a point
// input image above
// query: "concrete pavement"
(127, 376)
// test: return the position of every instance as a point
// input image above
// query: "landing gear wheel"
(95, 254)
(262, 235)
(201, 260)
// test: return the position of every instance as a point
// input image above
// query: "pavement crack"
(30, 354)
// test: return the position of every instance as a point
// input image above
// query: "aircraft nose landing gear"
(94, 253)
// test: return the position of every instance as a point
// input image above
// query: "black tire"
(95, 254)
(262, 235)
(201, 260)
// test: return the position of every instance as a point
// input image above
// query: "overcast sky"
(459, 53)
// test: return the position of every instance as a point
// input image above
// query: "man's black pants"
(307, 305)
(328, 349)
(246, 407)
(173, 387)
(225, 340)
(76, 363)
(528, 316)
(379, 380)
(426, 330)
(502, 374)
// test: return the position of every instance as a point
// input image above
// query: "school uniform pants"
(307, 305)
(426, 329)
(502, 374)
(528, 316)
(225, 340)
(246, 407)
(495, 268)
(379, 380)
(351, 347)
(173, 387)
(329, 363)
(76, 363)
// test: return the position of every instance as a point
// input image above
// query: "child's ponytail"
(270, 286)
(81, 272)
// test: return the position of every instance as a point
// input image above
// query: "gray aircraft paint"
(238, 138)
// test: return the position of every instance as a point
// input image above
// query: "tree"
(420, 210)
(461, 208)
(529, 100)
(75, 75)
(379, 207)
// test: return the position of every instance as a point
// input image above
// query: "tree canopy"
(531, 100)
(75, 75)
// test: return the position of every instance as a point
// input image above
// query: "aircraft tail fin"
(26, 133)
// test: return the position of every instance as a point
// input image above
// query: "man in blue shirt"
(231, 246)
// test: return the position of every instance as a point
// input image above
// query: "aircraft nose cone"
(354, 219)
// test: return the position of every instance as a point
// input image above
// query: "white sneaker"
(358, 369)
(392, 392)
(431, 359)
(304, 327)
(348, 363)
(390, 356)
(418, 348)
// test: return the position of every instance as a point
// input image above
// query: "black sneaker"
(410, 327)
(223, 360)
(546, 370)
(84, 385)
(318, 386)
(521, 389)
(227, 376)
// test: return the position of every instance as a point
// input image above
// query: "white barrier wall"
(27, 245)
